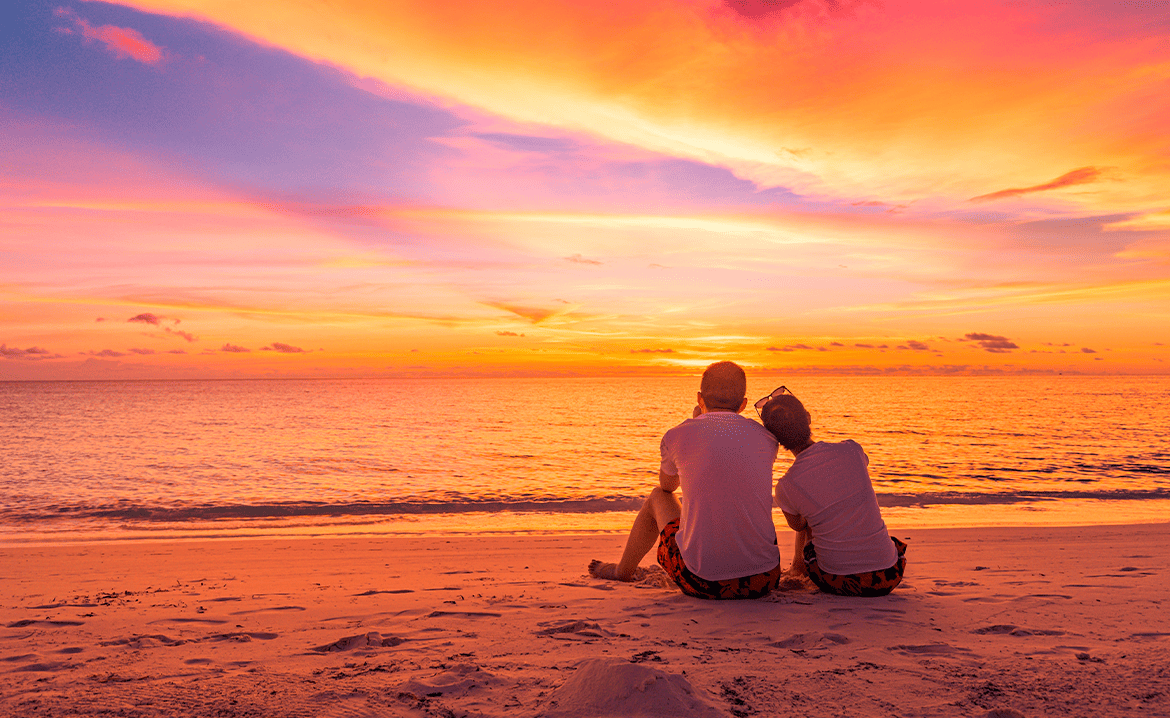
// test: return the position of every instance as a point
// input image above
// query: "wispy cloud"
(279, 347)
(991, 342)
(30, 354)
(234, 349)
(180, 333)
(652, 351)
(791, 348)
(144, 352)
(536, 315)
(105, 353)
(122, 41)
(1084, 175)
(578, 259)
(506, 333)
(145, 318)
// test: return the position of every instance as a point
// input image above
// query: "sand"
(989, 622)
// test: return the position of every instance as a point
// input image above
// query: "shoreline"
(1036, 620)
(1046, 514)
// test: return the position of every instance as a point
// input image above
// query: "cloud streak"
(1084, 175)
(278, 347)
(991, 342)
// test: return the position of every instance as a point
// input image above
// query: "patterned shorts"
(671, 561)
(873, 583)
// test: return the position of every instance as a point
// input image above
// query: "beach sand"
(989, 622)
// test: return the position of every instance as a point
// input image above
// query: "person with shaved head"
(717, 541)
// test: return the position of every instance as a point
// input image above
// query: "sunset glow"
(209, 188)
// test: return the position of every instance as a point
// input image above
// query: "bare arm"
(668, 482)
(796, 523)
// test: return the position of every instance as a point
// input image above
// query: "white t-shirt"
(724, 464)
(828, 484)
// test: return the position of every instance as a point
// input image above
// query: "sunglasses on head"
(760, 404)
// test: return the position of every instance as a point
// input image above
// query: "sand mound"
(612, 687)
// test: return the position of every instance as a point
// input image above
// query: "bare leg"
(798, 568)
(659, 509)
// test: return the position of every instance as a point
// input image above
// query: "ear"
(742, 405)
(702, 404)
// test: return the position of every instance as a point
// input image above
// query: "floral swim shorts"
(873, 583)
(671, 561)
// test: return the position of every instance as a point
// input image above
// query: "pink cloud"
(791, 348)
(233, 348)
(122, 41)
(282, 348)
(1084, 175)
(142, 351)
(991, 342)
(30, 354)
(145, 318)
(180, 333)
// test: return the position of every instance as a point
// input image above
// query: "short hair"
(788, 421)
(724, 386)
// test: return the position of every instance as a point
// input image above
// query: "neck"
(796, 451)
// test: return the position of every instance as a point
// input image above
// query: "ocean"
(120, 460)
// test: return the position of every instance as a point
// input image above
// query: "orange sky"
(532, 187)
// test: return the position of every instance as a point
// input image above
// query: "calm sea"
(173, 459)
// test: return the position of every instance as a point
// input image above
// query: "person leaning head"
(724, 387)
(788, 421)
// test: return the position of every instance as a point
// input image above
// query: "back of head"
(724, 386)
(788, 421)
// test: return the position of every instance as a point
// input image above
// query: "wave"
(309, 509)
(1017, 497)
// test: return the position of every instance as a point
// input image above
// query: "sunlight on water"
(482, 455)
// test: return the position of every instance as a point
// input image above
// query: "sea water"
(181, 459)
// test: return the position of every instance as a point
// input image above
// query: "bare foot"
(797, 569)
(609, 571)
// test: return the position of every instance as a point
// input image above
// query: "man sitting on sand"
(719, 541)
(828, 499)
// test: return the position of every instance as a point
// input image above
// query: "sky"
(216, 189)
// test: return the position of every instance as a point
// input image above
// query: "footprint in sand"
(189, 620)
(264, 610)
(43, 622)
(929, 649)
(21, 657)
(150, 641)
(570, 629)
(457, 681)
(1009, 629)
(810, 641)
(242, 636)
(373, 639)
(46, 667)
